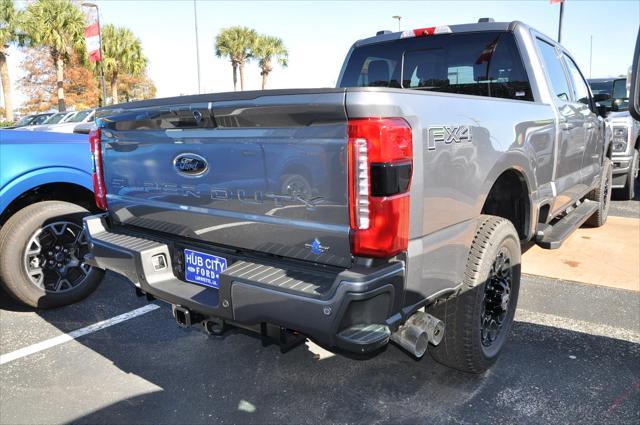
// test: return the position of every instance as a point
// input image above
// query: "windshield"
(55, 118)
(602, 87)
(68, 116)
(24, 121)
(80, 116)
(40, 119)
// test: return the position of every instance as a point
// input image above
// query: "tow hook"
(213, 326)
(420, 330)
(141, 293)
(182, 316)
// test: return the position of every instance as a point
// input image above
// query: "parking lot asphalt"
(573, 356)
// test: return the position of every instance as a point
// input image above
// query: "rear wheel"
(478, 321)
(601, 195)
(296, 185)
(42, 250)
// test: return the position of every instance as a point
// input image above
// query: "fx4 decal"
(448, 134)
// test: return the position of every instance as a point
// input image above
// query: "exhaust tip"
(418, 332)
(437, 333)
(412, 338)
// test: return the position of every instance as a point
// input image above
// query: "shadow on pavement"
(617, 194)
(9, 304)
(545, 375)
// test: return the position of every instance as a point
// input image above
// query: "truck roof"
(604, 80)
(459, 28)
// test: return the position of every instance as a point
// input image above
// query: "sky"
(318, 34)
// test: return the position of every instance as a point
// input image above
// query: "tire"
(488, 298)
(296, 183)
(27, 239)
(601, 195)
(629, 191)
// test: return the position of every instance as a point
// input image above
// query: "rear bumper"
(621, 163)
(324, 304)
(621, 168)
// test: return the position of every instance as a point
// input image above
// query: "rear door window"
(482, 64)
(555, 71)
(581, 90)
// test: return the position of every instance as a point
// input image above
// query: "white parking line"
(574, 325)
(521, 316)
(61, 339)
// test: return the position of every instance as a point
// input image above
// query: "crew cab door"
(571, 144)
(593, 145)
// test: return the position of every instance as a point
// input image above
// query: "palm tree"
(8, 35)
(236, 43)
(59, 26)
(122, 55)
(266, 49)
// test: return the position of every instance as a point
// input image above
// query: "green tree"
(122, 55)
(8, 35)
(236, 43)
(268, 49)
(59, 26)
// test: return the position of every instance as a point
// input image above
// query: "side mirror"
(601, 97)
(634, 92)
(615, 106)
(603, 111)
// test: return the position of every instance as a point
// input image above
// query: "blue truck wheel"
(42, 250)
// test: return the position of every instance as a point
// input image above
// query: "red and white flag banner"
(556, 1)
(92, 38)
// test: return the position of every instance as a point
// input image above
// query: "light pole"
(560, 21)
(590, 55)
(399, 18)
(104, 90)
(195, 24)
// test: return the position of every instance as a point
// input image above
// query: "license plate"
(202, 268)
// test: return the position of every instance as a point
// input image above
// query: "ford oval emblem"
(190, 165)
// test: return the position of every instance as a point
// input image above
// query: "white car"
(57, 118)
(69, 124)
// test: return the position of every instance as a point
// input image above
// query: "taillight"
(99, 189)
(380, 167)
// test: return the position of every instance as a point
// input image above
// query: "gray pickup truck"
(624, 132)
(390, 208)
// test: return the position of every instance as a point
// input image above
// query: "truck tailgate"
(265, 173)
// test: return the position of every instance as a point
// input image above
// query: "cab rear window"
(480, 64)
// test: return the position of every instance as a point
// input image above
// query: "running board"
(554, 235)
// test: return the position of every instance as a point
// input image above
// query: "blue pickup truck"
(46, 189)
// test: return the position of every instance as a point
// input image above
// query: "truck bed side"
(452, 180)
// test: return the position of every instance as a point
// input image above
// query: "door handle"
(566, 126)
